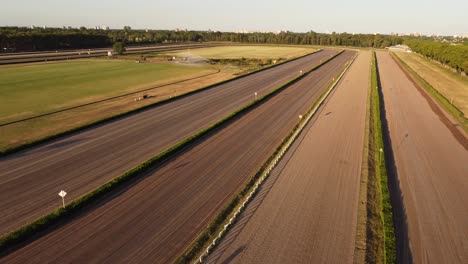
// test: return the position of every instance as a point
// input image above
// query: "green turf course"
(39, 88)
(252, 52)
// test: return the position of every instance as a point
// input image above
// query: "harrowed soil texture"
(428, 170)
(158, 216)
(306, 211)
(31, 179)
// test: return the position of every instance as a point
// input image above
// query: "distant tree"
(38, 38)
(119, 47)
(455, 56)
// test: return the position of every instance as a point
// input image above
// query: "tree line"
(455, 56)
(29, 39)
(37, 39)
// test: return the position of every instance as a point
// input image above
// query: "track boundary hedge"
(378, 164)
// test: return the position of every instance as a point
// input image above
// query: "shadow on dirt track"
(403, 250)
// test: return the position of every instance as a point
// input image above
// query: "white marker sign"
(62, 194)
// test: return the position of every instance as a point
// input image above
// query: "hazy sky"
(360, 16)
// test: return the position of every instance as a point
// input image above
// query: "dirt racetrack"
(30, 180)
(156, 218)
(431, 165)
(306, 211)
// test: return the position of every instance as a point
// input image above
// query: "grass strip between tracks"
(221, 224)
(381, 245)
(440, 98)
(59, 216)
(133, 111)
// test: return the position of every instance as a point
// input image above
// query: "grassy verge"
(127, 113)
(439, 98)
(381, 247)
(195, 249)
(58, 216)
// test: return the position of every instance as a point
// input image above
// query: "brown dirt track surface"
(448, 83)
(159, 216)
(306, 211)
(431, 166)
(30, 180)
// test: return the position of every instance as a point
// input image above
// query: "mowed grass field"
(251, 52)
(452, 86)
(28, 90)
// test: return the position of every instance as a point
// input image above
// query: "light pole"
(255, 96)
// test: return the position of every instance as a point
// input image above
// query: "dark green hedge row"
(53, 41)
(381, 167)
